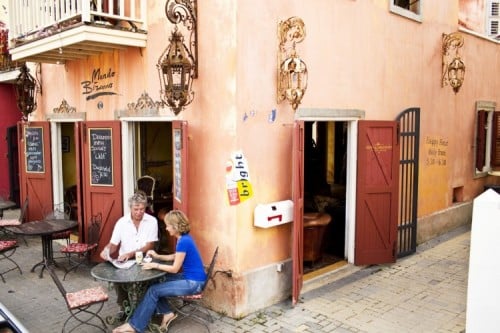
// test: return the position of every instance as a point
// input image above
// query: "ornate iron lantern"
(178, 64)
(453, 71)
(176, 69)
(292, 71)
(26, 91)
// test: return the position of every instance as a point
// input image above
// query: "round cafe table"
(44, 229)
(134, 280)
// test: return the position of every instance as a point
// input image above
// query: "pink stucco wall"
(359, 56)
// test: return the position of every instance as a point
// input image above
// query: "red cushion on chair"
(86, 296)
(9, 222)
(78, 248)
(7, 244)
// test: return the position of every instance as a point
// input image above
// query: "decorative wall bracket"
(292, 70)
(185, 11)
(178, 64)
(64, 108)
(453, 66)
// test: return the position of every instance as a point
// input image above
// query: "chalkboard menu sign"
(101, 156)
(34, 149)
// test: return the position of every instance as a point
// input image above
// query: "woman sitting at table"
(186, 260)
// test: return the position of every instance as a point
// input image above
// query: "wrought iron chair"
(13, 222)
(146, 184)
(61, 211)
(80, 302)
(86, 249)
(7, 249)
(189, 306)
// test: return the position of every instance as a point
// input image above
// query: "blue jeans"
(154, 299)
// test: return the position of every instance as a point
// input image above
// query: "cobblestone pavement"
(424, 292)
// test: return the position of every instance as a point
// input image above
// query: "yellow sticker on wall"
(244, 190)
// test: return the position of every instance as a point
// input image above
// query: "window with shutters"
(408, 8)
(493, 18)
(487, 148)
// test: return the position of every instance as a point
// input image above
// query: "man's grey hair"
(138, 198)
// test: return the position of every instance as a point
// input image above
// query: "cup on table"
(138, 257)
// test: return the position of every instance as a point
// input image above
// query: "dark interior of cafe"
(325, 150)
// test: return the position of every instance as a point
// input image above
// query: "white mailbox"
(273, 214)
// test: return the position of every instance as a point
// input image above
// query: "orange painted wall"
(359, 56)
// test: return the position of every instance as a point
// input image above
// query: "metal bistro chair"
(190, 305)
(86, 249)
(14, 222)
(61, 211)
(80, 302)
(7, 249)
(146, 184)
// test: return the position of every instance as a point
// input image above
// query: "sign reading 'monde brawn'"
(100, 84)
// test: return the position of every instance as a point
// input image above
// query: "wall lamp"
(26, 88)
(453, 66)
(178, 64)
(292, 71)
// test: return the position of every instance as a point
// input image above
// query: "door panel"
(35, 168)
(298, 210)
(377, 192)
(102, 175)
(180, 151)
(78, 162)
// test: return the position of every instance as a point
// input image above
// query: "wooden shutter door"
(102, 175)
(377, 192)
(35, 168)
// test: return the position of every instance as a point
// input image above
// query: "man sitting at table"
(137, 231)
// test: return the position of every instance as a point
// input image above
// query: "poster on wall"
(238, 186)
(177, 164)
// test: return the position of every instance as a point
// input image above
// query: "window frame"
(490, 137)
(493, 16)
(416, 16)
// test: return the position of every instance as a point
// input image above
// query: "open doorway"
(152, 142)
(325, 161)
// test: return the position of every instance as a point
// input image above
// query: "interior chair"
(83, 305)
(70, 198)
(84, 250)
(61, 211)
(147, 185)
(13, 222)
(7, 249)
(189, 306)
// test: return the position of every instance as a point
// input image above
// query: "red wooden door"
(180, 151)
(298, 210)
(102, 175)
(35, 168)
(377, 192)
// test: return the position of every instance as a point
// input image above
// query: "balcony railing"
(34, 19)
(6, 63)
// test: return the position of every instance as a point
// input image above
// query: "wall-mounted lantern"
(292, 70)
(26, 91)
(453, 66)
(178, 64)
